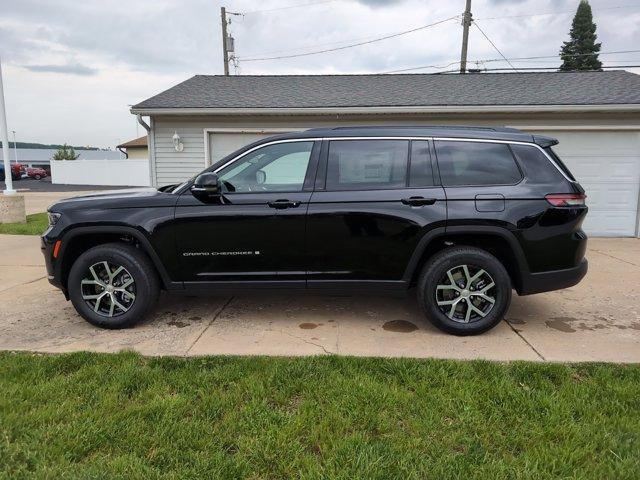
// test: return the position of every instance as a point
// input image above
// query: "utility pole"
(466, 23)
(228, 44)
(225, 51)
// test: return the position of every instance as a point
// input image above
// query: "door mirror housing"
(207, 184)
(261, 177)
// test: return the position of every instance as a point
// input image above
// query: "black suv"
(463, 214)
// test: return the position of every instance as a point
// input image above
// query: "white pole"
(4, 136)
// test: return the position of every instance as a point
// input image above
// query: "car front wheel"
(113, 285)
(464, 290)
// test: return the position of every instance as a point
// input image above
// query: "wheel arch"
(498, 241)
(80, 239)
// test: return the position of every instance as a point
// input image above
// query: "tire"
(456, 301)
(37, 177)
(129, 307)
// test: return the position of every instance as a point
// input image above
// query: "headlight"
(53, 218)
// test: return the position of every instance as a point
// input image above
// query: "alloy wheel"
(466, 293)
(109, 290)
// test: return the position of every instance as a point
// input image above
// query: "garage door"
(222, 144)
(607, 165)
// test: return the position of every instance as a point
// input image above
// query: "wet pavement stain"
(308, 326)
(401, 326)
(560, 324)
(178, 323)
(516, 321)
(195, 318)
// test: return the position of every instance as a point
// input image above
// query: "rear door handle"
(418, 201)
(283, 203)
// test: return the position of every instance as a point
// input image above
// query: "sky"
(71, 69)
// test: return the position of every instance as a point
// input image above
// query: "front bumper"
(46, 248)
(553, 280)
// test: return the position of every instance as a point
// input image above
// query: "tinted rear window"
(559, 162)
(367, 164)
(476, 163)
(537, 167)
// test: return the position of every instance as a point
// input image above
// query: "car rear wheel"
(113, 285)
(464, 290)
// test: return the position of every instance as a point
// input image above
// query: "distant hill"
(46, 147)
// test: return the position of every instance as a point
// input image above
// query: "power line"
(545, 68)
(565, 12)
(379, 39)
(513, 59)
(315, 45)
(493, 45)
(288, 7)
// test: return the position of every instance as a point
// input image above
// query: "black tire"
(138, 267)
(436, 269)
(37, 177)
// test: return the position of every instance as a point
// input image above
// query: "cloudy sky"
(72, 68)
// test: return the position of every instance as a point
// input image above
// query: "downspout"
(152, 153)
(126, 155)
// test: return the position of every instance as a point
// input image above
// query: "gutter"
(387, 110)
(151, 146)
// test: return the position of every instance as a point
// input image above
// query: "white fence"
(130, 172)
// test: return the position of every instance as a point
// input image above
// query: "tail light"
(566, 199)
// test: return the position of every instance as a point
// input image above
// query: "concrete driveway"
(598, 320)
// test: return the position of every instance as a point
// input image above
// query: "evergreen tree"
(581, 51)
(65, 152)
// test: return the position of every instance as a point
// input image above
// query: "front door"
(375, 201)
(256, 231)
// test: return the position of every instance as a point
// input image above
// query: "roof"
(256, 92)
(135, 143)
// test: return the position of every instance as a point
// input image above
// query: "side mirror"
(261, 177)
(207, 184)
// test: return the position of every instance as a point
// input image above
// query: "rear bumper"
(553, 280)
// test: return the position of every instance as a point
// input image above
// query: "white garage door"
(607, 165)
(222, 144)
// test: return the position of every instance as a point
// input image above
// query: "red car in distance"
(36, 172)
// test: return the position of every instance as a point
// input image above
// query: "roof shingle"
(308, 91)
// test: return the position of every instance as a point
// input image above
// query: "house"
(136, 148)
(595, 115)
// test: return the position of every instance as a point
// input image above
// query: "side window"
(275, 168)
(367, 164)
(420, 171)
(537, 167)
(476, 163)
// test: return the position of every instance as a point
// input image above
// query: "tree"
(581, 51)
(65, 152)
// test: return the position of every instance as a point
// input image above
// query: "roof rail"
(421, 127)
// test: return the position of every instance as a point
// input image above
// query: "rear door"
(374, 200)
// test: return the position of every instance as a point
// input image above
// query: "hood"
(126, 198)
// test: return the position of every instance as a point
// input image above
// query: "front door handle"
(283, 203)
(418, 201)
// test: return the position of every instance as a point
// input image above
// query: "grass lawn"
(125, 416)
(36, 225)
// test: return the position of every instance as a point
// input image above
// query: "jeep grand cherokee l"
(461, 215)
